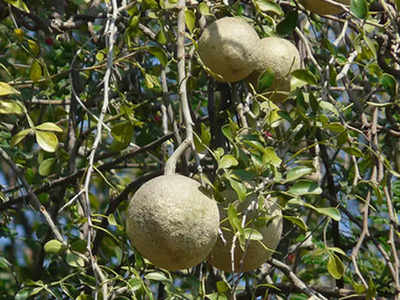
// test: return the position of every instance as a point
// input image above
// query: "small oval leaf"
(53, 246)
(48, 141)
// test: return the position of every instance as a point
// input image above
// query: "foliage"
(91, 108)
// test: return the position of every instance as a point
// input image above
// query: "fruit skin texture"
(228, 47)
(171, 222)
(256, 254)
(281, 57)
(322, 8)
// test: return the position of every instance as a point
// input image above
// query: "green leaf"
(19, 4)
(335, 266)
(353, 151)
(204, 140)
(337, 250)
(359, 8)
(252, 234)
(204, 9)
(335, 126)
(151, 81)
(4, 263)
(160, 54)
(222, 287)
(53, 246)
(190, 19)
(227, 161)
(161, 38)
(10, 107)
(48, 141)
(233, 218)
(305, 187)
(270, 157)
(288, 24)
(389, 83)
(20, 136)
(329, 107)
(6, 89)
(122, 132)
(150, 4)
(23, 294)
(48, 126)
(268, 6)
(35, 73)
(306, 76)
(46, 166)
(397, 2)
(265, 80)
(298, 172)
(111, 220)
(331, 212)
(239, 188)
(299, 222)
(74, 260)
(157, 276)
(34, 47)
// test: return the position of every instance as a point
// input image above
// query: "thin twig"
(32, 196)
(170, 165)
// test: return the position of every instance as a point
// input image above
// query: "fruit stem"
(170, 165)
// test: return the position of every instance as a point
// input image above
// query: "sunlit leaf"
(6, 89)
(270, 157)
(268, 6)
(306, 76)
(48, 141)
(233, 218)
(48, 126)
(239, 188)
(11, 107)
(331, 212)
(204, 9)
(227, 161)
(190, 19)
(335, 266)
(35, 48)
(36, 72)
(53, 246)
(252, 234)
(19, 4)
(157, 276)
(298, 172)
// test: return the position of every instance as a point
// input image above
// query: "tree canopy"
(98, 97)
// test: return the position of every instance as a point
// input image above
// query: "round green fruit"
(322, 7)
(255, 253)
(228, 47)
(172, 223)
(280, 57)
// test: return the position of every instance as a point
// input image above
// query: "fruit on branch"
(266, 220)
(322, 7)
(228, 47)
(279, 57)
(171, 222)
